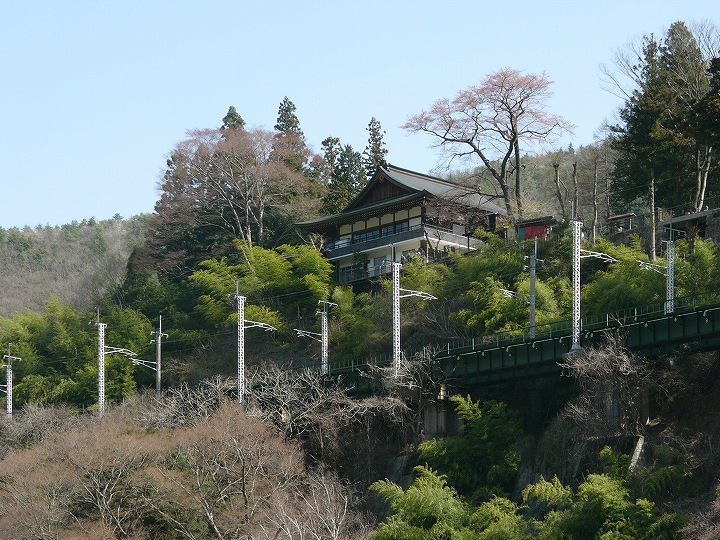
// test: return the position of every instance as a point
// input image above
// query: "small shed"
(621, 222)
(535, 228)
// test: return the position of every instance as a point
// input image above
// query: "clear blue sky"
(94, 95)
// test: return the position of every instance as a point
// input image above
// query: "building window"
(364, 236)
(395, 228)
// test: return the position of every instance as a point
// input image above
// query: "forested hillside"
(301, 457)
(77, 262)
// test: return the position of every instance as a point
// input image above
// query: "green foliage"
(59, 354)
(553, 297)
(354, 325)
(481, 279)
(661, 137)
(287, 120)
(375, 151)
(311, 267)
(297, 274)
(497, 519)
(429, 509)
(696, 267)
(620, 285)
(216, 279)
(490, 309)
(347, 176)
(543, 497)
(493, 258)
(615, 464)
(289, 142)
(601, 509)
(483, 460)
(232, 120)
(666, 480)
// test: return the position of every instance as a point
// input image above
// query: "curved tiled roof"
(413, 186)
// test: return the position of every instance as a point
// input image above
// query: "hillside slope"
(77, 262)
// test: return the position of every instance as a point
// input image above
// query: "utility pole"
(324, 368)
(102, 351)
(322, 337)
(578, 254)
(240, 343)
(157, 363)
(396, 292)
(670, 275)
(242, 324)
(577, 232)
(158, 357)
(101, 362)
(668, 271)
(396, 266)
(9, 380)
(533, 265)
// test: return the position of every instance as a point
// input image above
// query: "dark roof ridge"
(389, 166)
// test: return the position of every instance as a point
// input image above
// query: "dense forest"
(302, 458)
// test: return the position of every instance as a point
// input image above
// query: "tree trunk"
(608, 210)
(576, 201)
(595, 199)
(518, 194)
(506, 197)
(652, 216)
(703, 169)
(558, 191)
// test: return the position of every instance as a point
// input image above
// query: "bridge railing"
(542, 331)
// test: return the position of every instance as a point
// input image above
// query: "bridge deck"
(695, 324)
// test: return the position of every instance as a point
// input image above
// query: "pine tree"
(287, 120)
(289, 146)
(657, 139)
(331, 151)
(375, 151)
(347, 177)
(706, 112)
(233, 120)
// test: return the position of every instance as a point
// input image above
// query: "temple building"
(402, 214)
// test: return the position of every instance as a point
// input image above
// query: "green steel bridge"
(694, 325)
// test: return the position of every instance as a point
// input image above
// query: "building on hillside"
(705, 224)
(402, 214)
(539, 227)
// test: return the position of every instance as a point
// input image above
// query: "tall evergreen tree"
(347, 177)
(707, 111)
(287, 120)
(289, 145)
(331, 151)
(375, 151)
(657, 139)
(233, 120)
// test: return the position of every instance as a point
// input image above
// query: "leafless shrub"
(77, 474)
(351, 435)
(32, 424)
(611, 380)
(610, 403)
(227, 471)
(77, 262)
(186, 405)
(322, 508)
(704, 525)
(113, 478)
